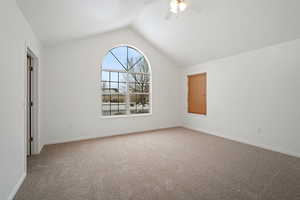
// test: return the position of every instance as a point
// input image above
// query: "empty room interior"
(150, 100)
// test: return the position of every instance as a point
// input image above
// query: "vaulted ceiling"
(209, 29)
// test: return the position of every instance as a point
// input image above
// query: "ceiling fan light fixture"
(174, 6)
(182, 6)
(177, 6)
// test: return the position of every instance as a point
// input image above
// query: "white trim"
(35, 129)
(123, 116)
(17, 187)
(118, 93)
(107, 135)
(263, 146)
(25, 107)
(123, 71)
(39, 149)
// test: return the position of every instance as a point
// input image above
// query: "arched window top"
(125, 82)
(125, 58)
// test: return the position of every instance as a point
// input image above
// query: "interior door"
(197, 94)
(29, 105)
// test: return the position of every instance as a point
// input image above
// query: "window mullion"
(118, 92)
(109, 93)
(127, 95)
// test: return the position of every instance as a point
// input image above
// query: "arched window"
(125, 82)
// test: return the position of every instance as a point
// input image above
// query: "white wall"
(70, 108)
(252, 97)
(15, 34)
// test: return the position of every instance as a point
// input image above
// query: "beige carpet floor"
(161, 165)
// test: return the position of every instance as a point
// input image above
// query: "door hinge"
(31, 103)
(31, 139)
(31, 68)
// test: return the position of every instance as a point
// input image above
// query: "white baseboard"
(17, 187)
(263, 146)
(107, 135)
(39, 150)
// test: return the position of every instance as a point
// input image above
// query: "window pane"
(114, 76)
(121, 55)
(105, 76)
(123, 77)
(105, 98)
(114, 108)
(121, 109)
(139, 77)
(122, 99)
(133, 103)
(109, 62)
(105, 87)
(113, 105)
(142, 78)
(134, 57)
(132, 87)
(146, 78)
(140, 66)
(118, 105)
(145, 88)
(120, 112)
(114, 98)
(134, 54)
(139, 88)
(114, 88)
(123, 88)
(131, 77)
(122, 104)
(139, 104)
(105, 110)
(145, 104)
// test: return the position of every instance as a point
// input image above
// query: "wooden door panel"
(197, 94)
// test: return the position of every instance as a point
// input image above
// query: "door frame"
(35, 144)
(29, 104)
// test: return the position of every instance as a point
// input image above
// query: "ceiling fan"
(176, 7)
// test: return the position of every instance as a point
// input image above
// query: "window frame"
(101, 93)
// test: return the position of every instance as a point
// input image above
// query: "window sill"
(126, 116)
